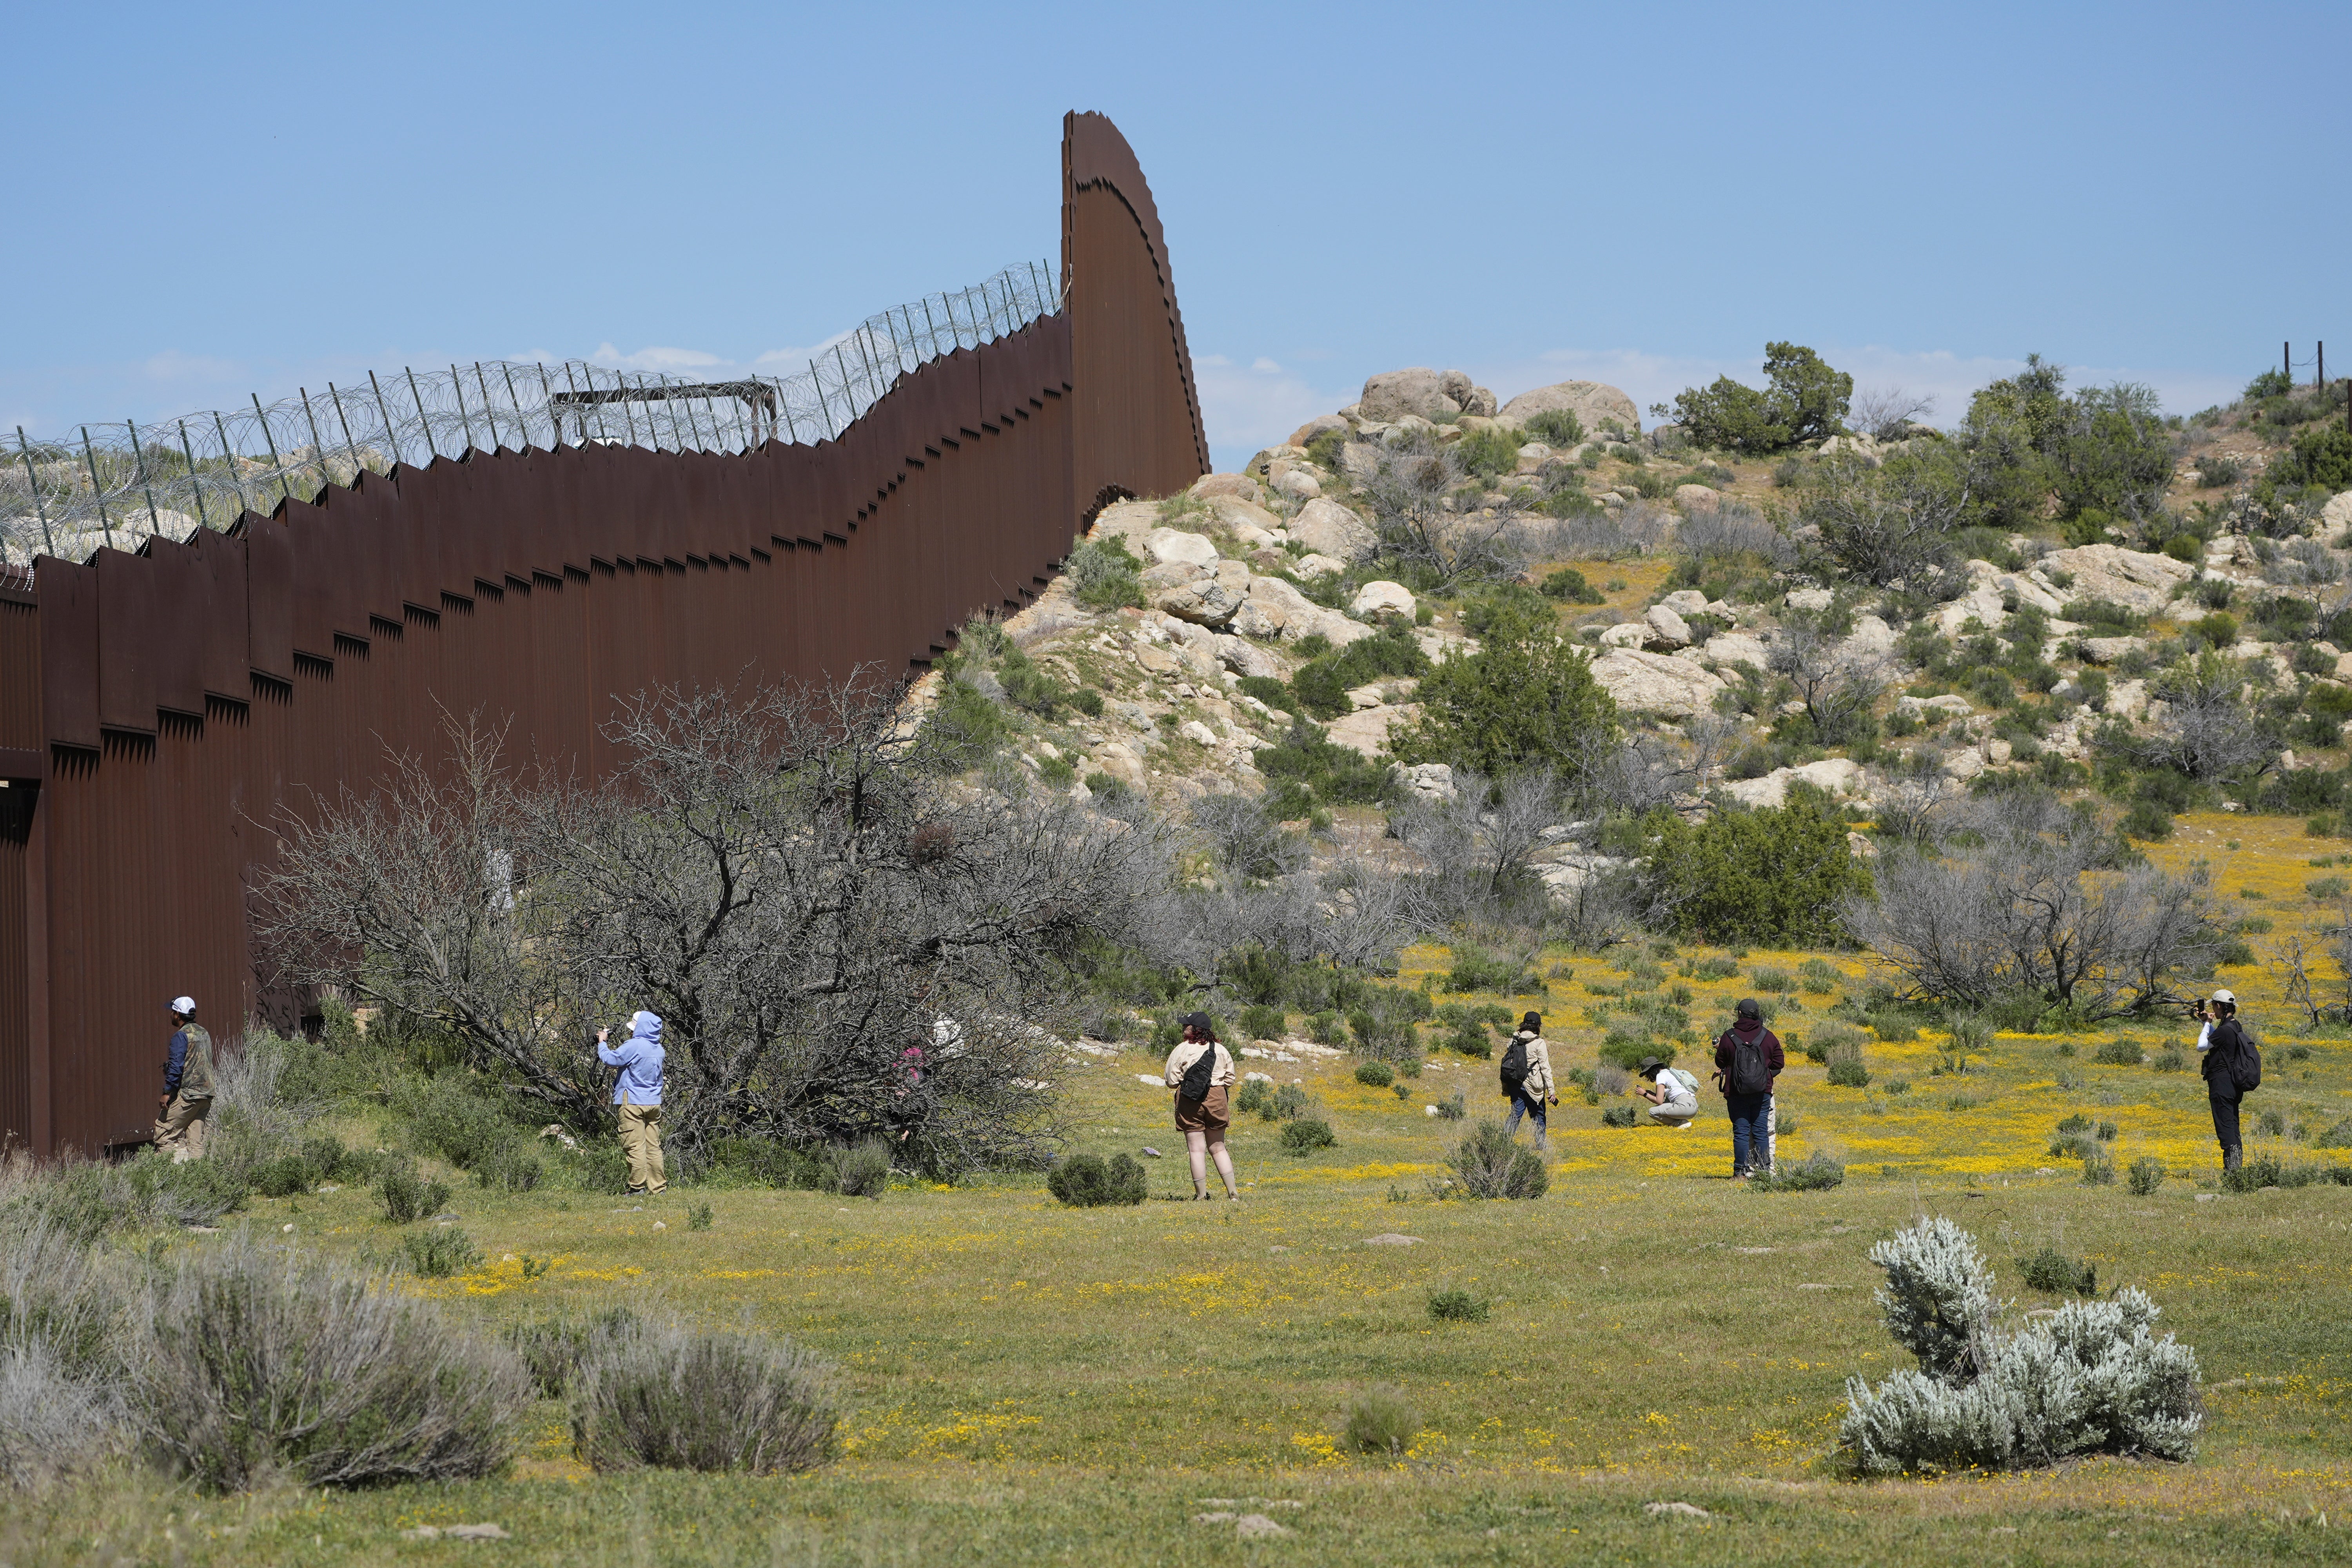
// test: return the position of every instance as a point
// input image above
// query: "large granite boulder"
(1665, 684)
(1327, 528)
(1591, 401)
(1393, 393)
(2133, 578)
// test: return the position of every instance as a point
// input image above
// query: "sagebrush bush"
(1817, 1172)
(255, 1365)
(862, 1170)
(1618, 1116)
(406, 1195)
(1089, 1181)
(1375, 1075)
(61, 1405)
(2118, 1054)
(2052, 1270)
(674, 1399)
(1847, 1067)
(2146, 1175)
(1488, 1163)
(1308, 1134)
(1381, 1421)
(440, 1252)
(452, 1116)
(552, 1348)
(2091, 1378)
(1458, 1306)
(512, 1167)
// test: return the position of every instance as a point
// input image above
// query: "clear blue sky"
(208, 201)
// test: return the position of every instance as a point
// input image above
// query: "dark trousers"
(1751, 1142)
(2225, 1128)
(1526, 1104)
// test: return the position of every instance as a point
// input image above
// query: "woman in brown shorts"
(1201, 1071)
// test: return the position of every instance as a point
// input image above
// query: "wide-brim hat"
(1650, 1067)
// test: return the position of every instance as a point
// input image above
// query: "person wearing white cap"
(186, 1104)
(2232, 1067)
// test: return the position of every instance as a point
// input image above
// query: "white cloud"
(791, 362)
(1249, 409)
(660, 361)
(173, 366)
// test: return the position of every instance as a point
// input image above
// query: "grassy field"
(1031, 1383)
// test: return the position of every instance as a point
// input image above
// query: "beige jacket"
(1187, 1052)
(1538, 1065)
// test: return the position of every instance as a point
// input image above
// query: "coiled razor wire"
(118, 485)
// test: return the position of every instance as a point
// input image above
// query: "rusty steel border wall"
(158, 710)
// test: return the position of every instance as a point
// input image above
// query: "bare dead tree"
(1480, 845)
(1838, 683)
(2207, 731)
(1884, 411)
(2038, 903)
(785, 878)
(1411, 495)
(1888, 525)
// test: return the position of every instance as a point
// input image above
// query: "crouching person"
(1673, 1094)
(187, 1101)
(636, 1095)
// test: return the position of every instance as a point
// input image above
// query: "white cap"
(2225, 997)
(186, 1006)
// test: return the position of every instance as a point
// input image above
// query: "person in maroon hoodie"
(1747, 1059)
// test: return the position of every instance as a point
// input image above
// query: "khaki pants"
(181, 1128)
(641, 1141)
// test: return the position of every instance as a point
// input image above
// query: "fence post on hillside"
(489, 404)
(139, 467)
(2321, 382)
(344, 420)
(236, 474)
(97, 489)
(2287, 361)
(285, 492)
(49, 541)
(196, 487)
(523, 420)
(826, 408)
(383, 412)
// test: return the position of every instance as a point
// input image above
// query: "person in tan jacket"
(1530, 1094)
(1201, 1071)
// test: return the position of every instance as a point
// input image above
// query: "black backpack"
(1750, 1075)
(2246, 1062)
(1195, 1085)
(1515, 1065)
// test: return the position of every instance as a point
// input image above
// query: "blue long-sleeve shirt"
(176, 1063)
(640, 1059)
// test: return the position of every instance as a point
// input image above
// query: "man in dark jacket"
(1747, 1061)
(2224, 1038)
(187, 1102)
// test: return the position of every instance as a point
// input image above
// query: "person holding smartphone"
(636, 1099)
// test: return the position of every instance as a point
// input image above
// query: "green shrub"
(1088, 1180)
(1471, 1038)
(1262, 1023)
(1814, 1174)
(512, 1167)
(2146, 1175)
(2052, 1270)
(1377, 1075)
(1772, 980)
(1458, 1306)
(1307, 768)
(2098, 1167)
(1558, 428)
(1806, 400)
(768, 1163)
(1489, 452)
(1525, 699)
(698, 1217)
(1451, 1108)
(2119, 1054)
(408, 1198)
(679, 1400)
(2172, 1058)
(2337, 1136)
(552, 1347)
(2322, 455)
(452, 1116)
(1321, 685)
(1305, 1134)
(1380, 1421)
(1818, 978)
(1618, 1116)
(1290, 1103)
(1487, 1163)
(862, 1170)
(1104, 575)
(1255, 1099)
(2074, 1121)
(1567, 585)
(1777, 876)
(264, 1367)
(440, 1252)
(1716, 967)
(1265, 689)
(283, 1177)
(1847, 1067)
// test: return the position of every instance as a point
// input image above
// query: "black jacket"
(2220, 1067)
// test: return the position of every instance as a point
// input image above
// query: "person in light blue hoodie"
(636, 1093)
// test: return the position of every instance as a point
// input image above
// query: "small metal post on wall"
(97, 489)
(285, 492)
(2322, 382)
(236, 474)
(318, 445)
(383, 412)
(32, 478)
(458, 386)
(139, 467)
(818, 382)
(430, 447)
(195, 485)
(489, 404)
(344, 420)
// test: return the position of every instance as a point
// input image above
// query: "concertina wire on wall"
(116, 485)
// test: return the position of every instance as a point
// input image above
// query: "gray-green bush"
(253, 1365)
(1089, 1181)
(2091, 1378)
(1381, 1421)
(674, 1399)
(1488, 1163)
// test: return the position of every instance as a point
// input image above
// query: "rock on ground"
(1330, 529)
(1163, 545)
(2132, 578)
(1838, 775)
(1590, 401)
(1664, 684)
(1393, 393)
(1239, 485)
(1383, 597)
(1668, 630)
(1367, 729)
